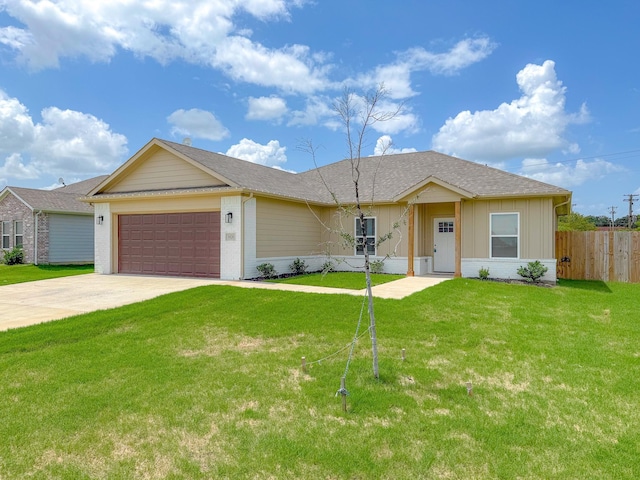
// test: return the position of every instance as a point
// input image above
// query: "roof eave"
(8, 190)
(432, 179)
(132, 160)
(120, 196)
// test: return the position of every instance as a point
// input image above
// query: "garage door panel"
(179, 244)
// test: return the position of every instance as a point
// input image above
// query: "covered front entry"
(177, 244)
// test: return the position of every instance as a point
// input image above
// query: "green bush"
(377, 266)
(533, 271)
(298, 267)
(267, 270)
(483, 273)
(328, 266)
(15, 256)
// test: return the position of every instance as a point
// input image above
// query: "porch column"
(458, 239)
(411, 240)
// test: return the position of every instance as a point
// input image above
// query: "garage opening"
(176, 244)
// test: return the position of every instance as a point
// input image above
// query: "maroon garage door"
(180, 244)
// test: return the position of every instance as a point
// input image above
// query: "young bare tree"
(358, 114)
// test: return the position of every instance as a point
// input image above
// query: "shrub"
(533, 271)
(298, 267)
(377, 266)
(15, 256)
(267, 270)
(483, 273)
(328, 266)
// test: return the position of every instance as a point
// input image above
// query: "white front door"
(444, 245)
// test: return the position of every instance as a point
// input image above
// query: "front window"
(6, 234)
(505, 235)
(369, 239)
(18, 233)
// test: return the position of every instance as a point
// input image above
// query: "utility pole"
(630, 198)
(612, 211)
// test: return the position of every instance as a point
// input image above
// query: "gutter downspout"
(35, 238)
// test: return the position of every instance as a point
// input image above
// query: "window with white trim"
(505, 235)
(6, 234)
(369, 239)
(18, 234)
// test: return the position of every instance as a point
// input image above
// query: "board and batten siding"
(536, 226)
(285, 229)
(71, 239)
(163, 171)
(386, 216)
(424, 230)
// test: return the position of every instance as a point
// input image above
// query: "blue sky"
(546, 89)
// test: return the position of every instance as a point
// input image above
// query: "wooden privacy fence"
(606, 256)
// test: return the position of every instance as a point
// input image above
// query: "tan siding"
(199, 203)
(161, 170)
(428, 213)
(386, 216)
(436, 194)
(284, 229)
(536, 226)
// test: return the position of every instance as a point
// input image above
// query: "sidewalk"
(397, 289)
(44, 300)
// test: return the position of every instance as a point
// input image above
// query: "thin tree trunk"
(367, 272)
(372, 317)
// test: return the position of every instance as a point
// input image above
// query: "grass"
(207, 383)
(28, 273)
(348, 280)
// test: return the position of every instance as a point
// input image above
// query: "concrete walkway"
(35, 302)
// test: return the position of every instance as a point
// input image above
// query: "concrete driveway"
(44, 300)
(36, 302)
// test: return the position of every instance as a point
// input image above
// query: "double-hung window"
(6, 234)
(369, 237)
(18, 233)
(505, 235)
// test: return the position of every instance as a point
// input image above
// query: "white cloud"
(291, 69)
(384, 146)
(532, 125)
(464, 53)
(402, 119)
(75, 142)
(567, 175)
(15, 167)
(197, 123)
(204, 32)
(17, 130)
(317, 110)
(396, 76)
(270, 155)
(66, 141)
(266, 108)
(196, 31)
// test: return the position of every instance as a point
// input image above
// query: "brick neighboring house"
(52, 226)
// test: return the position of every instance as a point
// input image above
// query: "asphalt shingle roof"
(385, 178)
(63, 199)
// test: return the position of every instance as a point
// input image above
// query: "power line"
(612, 211)
(630, 198)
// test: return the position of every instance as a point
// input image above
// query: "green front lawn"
(28, 273)
(207, 384)
(348, 280)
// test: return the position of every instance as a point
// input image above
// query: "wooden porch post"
(458, 239)
(411, 240)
